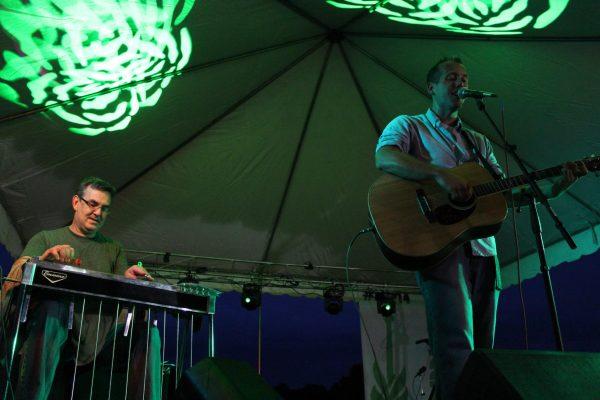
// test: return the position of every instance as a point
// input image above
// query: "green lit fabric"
(487, 17)
(118, 54)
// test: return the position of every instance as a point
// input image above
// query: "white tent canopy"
(261, 146)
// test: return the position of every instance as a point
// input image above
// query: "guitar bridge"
(425, 207)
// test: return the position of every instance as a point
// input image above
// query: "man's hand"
(571, 171)
(15, 275)
(60, 253)
(455, 185)
(137, 272)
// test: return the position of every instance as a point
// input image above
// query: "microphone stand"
(537, 226)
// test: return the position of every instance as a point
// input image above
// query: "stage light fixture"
(251, 296)
(386, 303)
(188, 278)
(334, 298)
(369, 294)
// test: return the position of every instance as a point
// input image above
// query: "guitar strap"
(467, 136)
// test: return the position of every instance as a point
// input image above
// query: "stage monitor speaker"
(220, 378)
(530, 375)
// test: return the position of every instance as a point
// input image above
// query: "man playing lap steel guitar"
(461, 292)
(46, 332)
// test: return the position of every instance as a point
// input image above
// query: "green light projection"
(487, 17)
(115, 56)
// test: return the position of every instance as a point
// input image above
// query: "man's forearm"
(14, 276)
(393, 161)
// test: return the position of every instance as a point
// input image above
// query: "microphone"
(463, 93)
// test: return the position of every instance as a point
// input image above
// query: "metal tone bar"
(129, 354)
(164, 341)
(23, 313)
(128, 322)
(96, 349)
(177, 354)
(71, 315)
(211, 335)
(191, 339)
(112, 360)
(77, 351)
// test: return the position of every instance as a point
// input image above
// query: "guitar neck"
(502, 185)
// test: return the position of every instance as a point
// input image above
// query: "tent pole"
(296, 156)
(361, 92)
(228, 111)
(260, 339)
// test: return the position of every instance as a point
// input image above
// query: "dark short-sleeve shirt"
(100, 254)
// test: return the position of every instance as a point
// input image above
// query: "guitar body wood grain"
(408, 239)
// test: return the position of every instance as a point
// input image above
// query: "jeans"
(461, 298)
(46, 333)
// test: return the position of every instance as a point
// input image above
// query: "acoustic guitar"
(417, 225)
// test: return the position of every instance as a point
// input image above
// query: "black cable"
(516, 237)
(155, 272)
(362, 322)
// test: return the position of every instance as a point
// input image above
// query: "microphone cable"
(385, 394)
(515, 236)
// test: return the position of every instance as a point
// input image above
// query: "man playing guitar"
(461, 293)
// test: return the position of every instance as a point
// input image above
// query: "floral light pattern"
(113, 56)
(489, 17)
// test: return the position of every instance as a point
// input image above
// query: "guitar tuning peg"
(593, 164)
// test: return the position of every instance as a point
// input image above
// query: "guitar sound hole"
(448, 215)
(462, 204)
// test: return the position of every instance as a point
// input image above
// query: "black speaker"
(220, 378)
(547, 375)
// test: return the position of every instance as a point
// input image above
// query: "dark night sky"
(576, 288)
(303, 344)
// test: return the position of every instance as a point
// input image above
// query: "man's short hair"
(433, 75)
(95, 183)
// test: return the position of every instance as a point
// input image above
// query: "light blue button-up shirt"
(427, 138)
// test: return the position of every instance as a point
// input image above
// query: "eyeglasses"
(94, 206)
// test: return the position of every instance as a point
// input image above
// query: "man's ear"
(74, 202)
(430, 88)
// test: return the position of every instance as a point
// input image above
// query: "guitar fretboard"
(502, 185)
